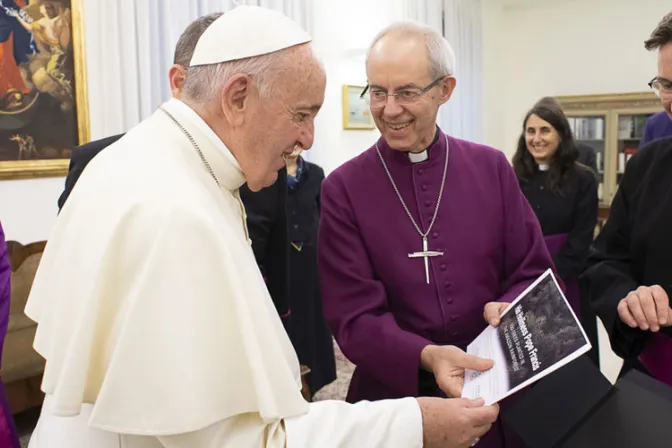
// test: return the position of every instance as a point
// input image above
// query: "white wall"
(28, 208)
(592, 47)
(342, 31)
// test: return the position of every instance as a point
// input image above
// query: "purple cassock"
(657, 126)
(8, 436)
(376, 299)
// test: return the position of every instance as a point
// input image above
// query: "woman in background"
(563, 195)
(8, 435)
(308, 329)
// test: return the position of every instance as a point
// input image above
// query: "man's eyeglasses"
(660, 86)
(406, 96)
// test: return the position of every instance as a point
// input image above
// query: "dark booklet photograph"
(538, 334)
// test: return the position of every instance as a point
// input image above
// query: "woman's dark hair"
(564, 158)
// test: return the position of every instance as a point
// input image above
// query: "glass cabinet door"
(630, 133)
(590, 130)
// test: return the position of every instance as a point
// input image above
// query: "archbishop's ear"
(447, 88)
(235, 98)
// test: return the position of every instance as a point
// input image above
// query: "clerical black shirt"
(635, 246)
(571, 210)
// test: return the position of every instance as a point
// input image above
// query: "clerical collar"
(417, 157)
(543, 167)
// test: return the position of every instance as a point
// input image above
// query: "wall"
(28, 208)
(593, 47)
(341, 35)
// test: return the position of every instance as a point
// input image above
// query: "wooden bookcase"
(613, 125)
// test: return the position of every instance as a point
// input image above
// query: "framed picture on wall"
(43, 95)
(356, 113)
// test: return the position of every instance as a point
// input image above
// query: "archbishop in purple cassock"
(486, 244)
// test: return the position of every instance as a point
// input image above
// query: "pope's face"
(286, 119)
(400, 65)
(665, 76)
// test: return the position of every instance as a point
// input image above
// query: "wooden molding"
(636, 100)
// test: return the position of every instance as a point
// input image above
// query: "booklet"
(537, 334)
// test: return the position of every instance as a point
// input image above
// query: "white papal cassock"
(156, 324)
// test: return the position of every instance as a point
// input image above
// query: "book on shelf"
(631, 127)
(587, 128)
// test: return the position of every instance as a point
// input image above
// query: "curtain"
(460, 22)
(129, 50)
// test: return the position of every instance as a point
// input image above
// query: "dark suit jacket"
(587, 156)
(266, 220)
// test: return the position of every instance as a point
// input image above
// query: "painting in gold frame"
(43, 95)
(356, 112)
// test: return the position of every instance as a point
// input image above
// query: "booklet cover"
(537, 334)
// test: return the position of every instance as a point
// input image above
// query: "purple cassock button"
(435, 234)
(447, 284)
(449, 300)
(428, 203)
(443, 267)
(424, 187)
(421, 171)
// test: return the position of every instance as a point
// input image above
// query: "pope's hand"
(448, 363)
(455, 422)
(493, 311)
(646, 308)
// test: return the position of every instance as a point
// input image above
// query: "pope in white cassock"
(154, 320)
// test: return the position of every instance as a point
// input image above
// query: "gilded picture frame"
(356, 112)
(44, 112)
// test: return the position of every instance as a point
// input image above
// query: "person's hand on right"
(646, 308)
(455, 422)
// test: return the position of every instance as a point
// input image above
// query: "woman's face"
(542, 139)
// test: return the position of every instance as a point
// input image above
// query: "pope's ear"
(235, 98)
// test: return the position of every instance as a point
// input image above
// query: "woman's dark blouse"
(572, 210)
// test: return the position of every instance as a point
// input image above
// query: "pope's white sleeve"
(337, 424)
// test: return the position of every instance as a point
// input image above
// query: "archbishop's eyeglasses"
(661, 86)
(405, 96)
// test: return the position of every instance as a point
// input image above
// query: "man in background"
(629, 279)
(266, 209)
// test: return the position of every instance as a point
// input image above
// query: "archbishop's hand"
(454, 422)
(448, 363)
(646, 308)
(493, 311)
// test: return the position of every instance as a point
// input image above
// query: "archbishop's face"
(287, 116)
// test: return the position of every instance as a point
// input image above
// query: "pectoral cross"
(426, 253)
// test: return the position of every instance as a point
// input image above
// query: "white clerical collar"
(196, 120)
(543, 167)
(417, 157)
